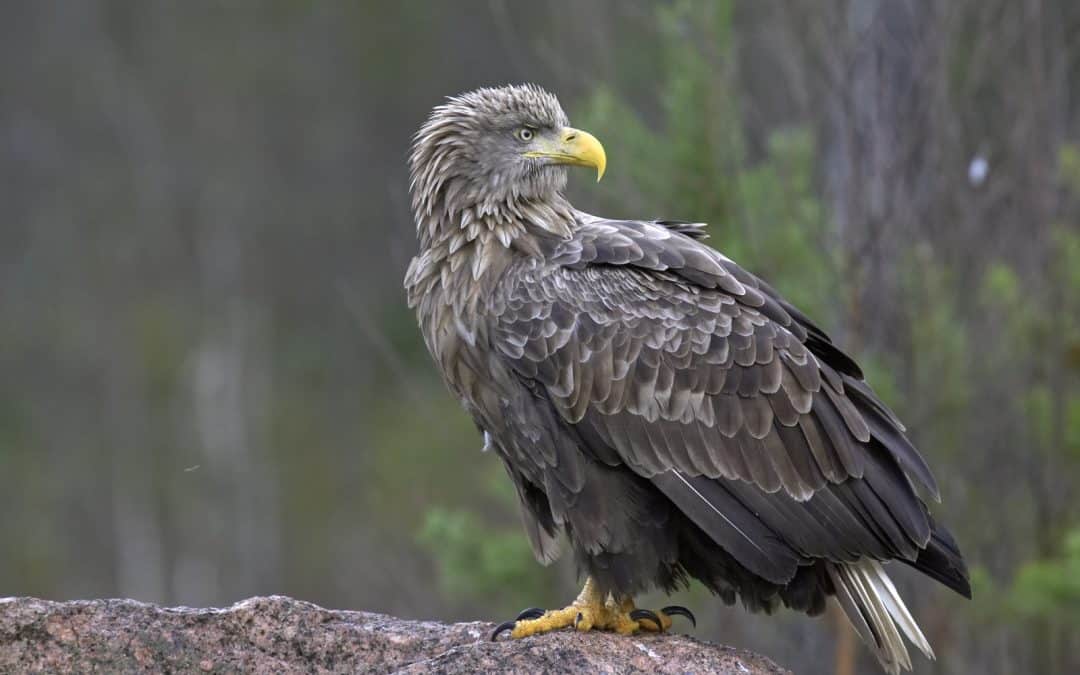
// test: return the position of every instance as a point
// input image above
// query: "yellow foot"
(591, 611)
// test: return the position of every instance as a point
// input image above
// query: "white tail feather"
(870, 601)
(899, 612)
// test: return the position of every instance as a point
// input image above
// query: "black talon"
(504, 626)
(525, 615)
(530, 613)
(639, 614)
(681, 611)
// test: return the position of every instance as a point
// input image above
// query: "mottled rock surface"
(282, 635)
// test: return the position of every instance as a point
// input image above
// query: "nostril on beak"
(571, 137)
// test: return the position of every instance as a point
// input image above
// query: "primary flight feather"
(667, 410)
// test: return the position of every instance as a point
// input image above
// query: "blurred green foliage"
(477, 560)
(1050, 587)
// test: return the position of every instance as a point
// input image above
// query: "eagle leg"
(592, 611)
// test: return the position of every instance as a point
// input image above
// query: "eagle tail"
(870, 601)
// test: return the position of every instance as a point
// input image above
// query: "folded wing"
(668, 358)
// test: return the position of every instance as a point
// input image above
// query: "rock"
(282, 635)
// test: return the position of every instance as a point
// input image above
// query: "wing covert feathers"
(682, 360)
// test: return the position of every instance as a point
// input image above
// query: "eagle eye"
(524, 134)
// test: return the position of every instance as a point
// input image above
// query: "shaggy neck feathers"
(457, 210)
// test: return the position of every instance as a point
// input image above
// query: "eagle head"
(493, 151)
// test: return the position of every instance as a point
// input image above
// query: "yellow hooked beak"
(574, 147)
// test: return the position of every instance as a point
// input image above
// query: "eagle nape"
(593, 611)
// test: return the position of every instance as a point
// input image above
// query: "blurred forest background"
(210, 386)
